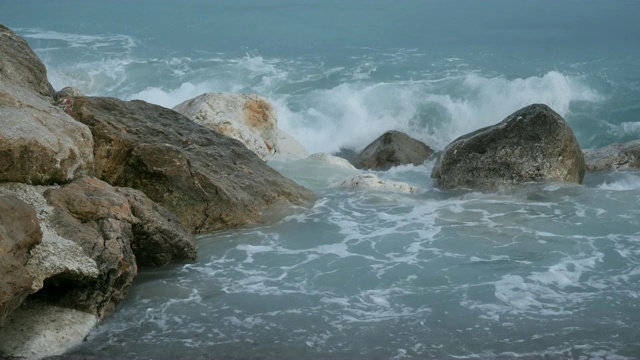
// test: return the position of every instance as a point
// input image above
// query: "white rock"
(335, 160)
(249, 118)
(36, 330)
(288, 148)
(371, 181)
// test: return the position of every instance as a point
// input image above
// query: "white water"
(538, 270)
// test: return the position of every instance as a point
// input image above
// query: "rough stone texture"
(324, 157)
(208, 180)
(532, 144)
(158, 238)
(245, 117)
(39, 143)
(614, 157)
(371, 181)
(394, 148)
(54, 256)
(92, 214)
(36, 330)
(19, 233)
(20, 65)
(288, 148)
(66, 92)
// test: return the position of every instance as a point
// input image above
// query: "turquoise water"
(535, 270)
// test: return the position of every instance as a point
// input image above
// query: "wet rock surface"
(532, 144)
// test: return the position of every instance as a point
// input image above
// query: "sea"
(538, 270)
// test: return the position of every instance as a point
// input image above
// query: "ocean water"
(538, 270)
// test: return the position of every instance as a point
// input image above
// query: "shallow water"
(533, 270)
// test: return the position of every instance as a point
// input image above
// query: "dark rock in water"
(614, 157)
(394, 148)
(20, 65)
(19, 233)
(95, 216)
(158, 238)
(208, 180)
(532, 144)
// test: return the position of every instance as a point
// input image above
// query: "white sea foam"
(623, 182)
(81, 40)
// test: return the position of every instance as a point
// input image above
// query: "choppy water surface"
(536, 270)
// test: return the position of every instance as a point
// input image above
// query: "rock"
(371, 181)
(19, 233)
(39, 143)
(350, 155)
(288, 148)
(36, 330)
(68, 91)
(96, 216)
(158, 239)
(614, 157)
(532, 144)
(394, 148)
(208, 180)
(54, 256)
(324, 157)
(19, 65)
(93, 215)
(248, 118)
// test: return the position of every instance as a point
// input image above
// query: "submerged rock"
(208, 180)
(371, 181)
(614, 157)
(330, 159)
(394, 148)
(20, 66)
(532, 144)
(245, 117)
(19, 233)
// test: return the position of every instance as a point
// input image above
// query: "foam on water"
(533, 270)
(324, 108)
(364, 275)
(623, 182)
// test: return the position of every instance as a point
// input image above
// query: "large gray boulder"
(20, 65)
(208, 180)
(394, 148)
(40, 143)
(533, 144)
(19, 233)
(614, 157)
(249, 118)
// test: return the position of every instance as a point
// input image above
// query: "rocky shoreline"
(93, 188)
